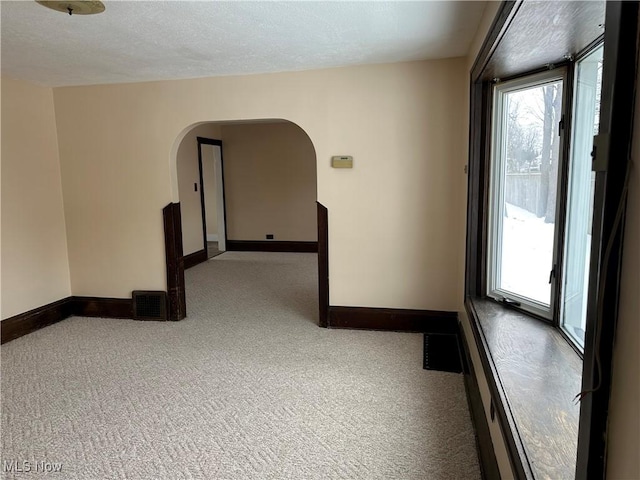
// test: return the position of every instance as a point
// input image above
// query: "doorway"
(210, 164)
(263, 206)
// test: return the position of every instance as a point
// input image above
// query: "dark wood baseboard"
(24, 323)
(484, 444)
(394, 319)
(195, 258)
(271, 246)
(21, 324)
(102, 307)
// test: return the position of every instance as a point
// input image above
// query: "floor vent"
(442, 352)
(149, 305)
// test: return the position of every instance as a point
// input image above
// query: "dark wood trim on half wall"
(271, 246)
(195, 258)
(393, 319)
(24, 323)
(323, 265)
(175, 261)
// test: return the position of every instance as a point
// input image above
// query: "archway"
(269, 191)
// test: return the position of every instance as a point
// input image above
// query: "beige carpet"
(247, 387)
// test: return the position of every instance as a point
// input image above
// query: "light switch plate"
(342, 161)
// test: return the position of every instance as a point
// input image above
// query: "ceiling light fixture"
(74, 6)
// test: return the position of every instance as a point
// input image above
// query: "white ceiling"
(141, 41)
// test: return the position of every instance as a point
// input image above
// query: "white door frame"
(218, 169)
(222, 224)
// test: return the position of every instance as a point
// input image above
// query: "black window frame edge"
(619, 75)
(616, 119)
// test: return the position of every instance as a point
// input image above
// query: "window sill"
(534, 375)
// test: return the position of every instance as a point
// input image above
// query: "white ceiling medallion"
(74, 7)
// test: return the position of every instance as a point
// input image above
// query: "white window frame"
(576, 342)
(496, 194)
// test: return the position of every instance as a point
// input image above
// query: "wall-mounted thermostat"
(342, 161)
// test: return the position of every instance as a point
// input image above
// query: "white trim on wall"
(212, 237)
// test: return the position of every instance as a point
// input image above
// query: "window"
(600, 89)
(586, 118)
(541, 194)
(524, 191)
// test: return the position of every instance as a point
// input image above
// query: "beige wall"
(270, 182)
(403, 123)
(623, 461)
(0, 204)
(188, 174)
(35, 269)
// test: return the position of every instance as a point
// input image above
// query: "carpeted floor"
(247, 387)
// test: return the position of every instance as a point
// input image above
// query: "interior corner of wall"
(62, 191)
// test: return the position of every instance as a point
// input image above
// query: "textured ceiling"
(140, 41)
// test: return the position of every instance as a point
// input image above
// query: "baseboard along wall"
(393, 319)
(24, 323)
(195, 258)
(271, 246)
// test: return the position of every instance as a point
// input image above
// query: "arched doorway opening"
(265, 178)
